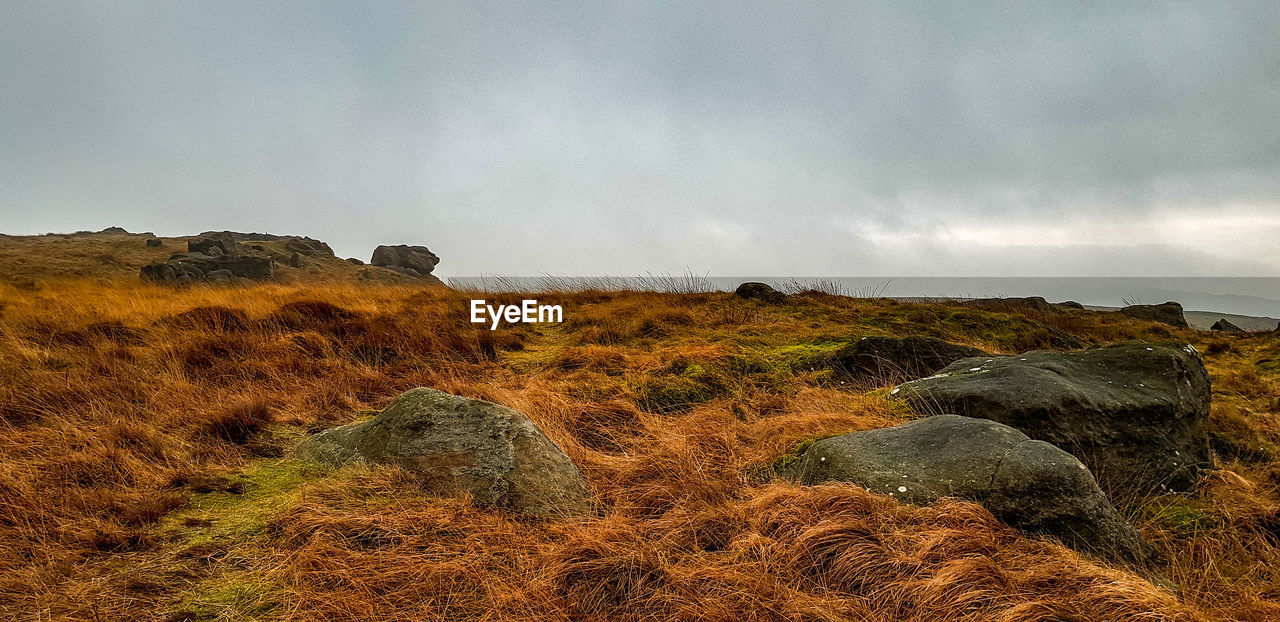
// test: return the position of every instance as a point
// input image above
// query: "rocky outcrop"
(213, 258)
(1030, 303)
(1033, 303)
(214, 245)
(1029, 484)
(1226, 326)
(1136, 414)
(895, 359)
(752, 290)
(154, 242)
(415, 261)
(308, 247)
(458, 445)
(1168, 313)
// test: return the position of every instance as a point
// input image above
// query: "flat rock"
(1029, 484)
(456, 445)
(1135, 414)
(1167, 313)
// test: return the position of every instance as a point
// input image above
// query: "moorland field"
(146, 471)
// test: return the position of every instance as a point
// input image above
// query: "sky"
(770, 138)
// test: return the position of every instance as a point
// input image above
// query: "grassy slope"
(144, 469)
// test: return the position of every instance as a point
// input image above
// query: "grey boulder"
(763, 292)
(1225, 326)
(455, 445)
(1136, 414)
(308, 246)
(895, 359)
(417, 259)
(1028, 484)
(1167, 313)
(221, 244)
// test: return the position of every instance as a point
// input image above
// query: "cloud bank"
(579, 138)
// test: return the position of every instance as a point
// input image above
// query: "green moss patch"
(1180, 513)
(231, 596)
(268, 489)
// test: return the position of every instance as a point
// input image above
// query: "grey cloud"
(766, 138)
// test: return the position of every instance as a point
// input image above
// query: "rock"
(211, 254)
(1226, 326)
(1136, 414)
(752, 290)
(1168, 313)
(894, 359)
(214, 245)
(355, 262)
(309, 247)
(1029, 484)
(1033, 303)
(154, 242)
(221, 275)
(295, 260)
(416, 258)
(116, 231)
(454, 444)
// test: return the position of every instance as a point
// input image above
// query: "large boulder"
(1026, 483)
(410, 260)
(895, 359)
(1226, 326)
(1136, 414)
(763, 292)
(220, 244)
(455, 444)
(1168, 313)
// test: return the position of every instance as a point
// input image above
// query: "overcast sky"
(774, 138)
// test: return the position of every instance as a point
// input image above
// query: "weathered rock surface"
(1029, 484)
(215, 257)
(1034, 303)
(309, 247)
(752, 290)
(410, 260)
(1226, 326)
(1136, 414)
(1167, 313)
(214, 245)
(455, 444)
(154, 242)
(896, 359)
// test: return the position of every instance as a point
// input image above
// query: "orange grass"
(144, 473)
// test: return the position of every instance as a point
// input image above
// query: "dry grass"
(144, 474)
